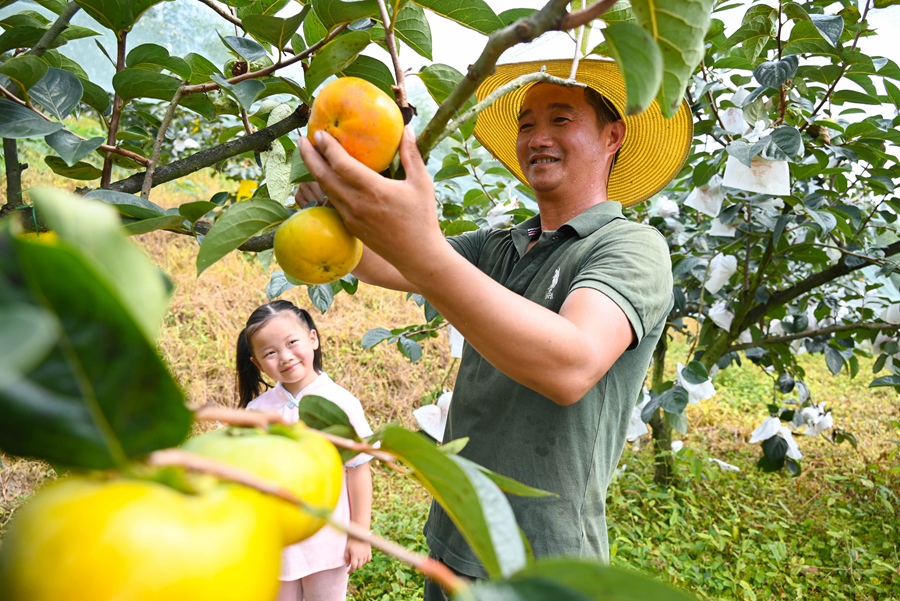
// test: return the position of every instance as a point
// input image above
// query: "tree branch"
(585, 15)
(157, 144)
(118, 103)
(206, 158)
(222, 11)
(55, 30)
(391, 43)
(812, 334)
(810, 283)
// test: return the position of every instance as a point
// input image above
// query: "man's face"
(560, 145)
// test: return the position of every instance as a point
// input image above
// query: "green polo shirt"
(519, 433)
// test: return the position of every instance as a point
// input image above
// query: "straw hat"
(654, 149)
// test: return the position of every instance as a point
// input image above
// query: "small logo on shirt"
(553, 283)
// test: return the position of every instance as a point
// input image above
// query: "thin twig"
(222, 11)
(391, 43)
(118, 103)
(585, 15)
(55, 30)
(157, 145)
(813, 333)
(435, 570)
(578, 41)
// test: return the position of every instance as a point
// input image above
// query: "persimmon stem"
(431, 568)
(391, 43)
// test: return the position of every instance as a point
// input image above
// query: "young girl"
(282, 342)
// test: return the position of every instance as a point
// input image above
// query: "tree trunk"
(664, 463)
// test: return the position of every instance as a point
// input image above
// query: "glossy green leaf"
(335, 56)
(28, 333)
(249, 50)
(70, 147)
(788, 139)
(140, 83)
(82, 171)
(679, 27)
(58, 92)
(885, 381)
(674, 400)
(440, 80)
(200, 104)
(525, 589)
(20, 37)
(320, 413)
(773, 74)
(474, 14)
(201, 68)
(116, 15)
(273, 30)
(155, 55)
(601, 582)
(830, 26)
(25, 71)
(695, 373)
(508, 17)
(639, 60)
(95, 96)
(806, 39)
(299, 171)
(192, 211)
(128, 204)
(16, 121)
(93, 227)
(102, 394)
(260, 7)
(245, 92)
(313, 29)
(237, 225)
(332, 12)
(372, 70)
(477, 507)
(163, 222)
(507, 485)
(413, 29)
(321, 297)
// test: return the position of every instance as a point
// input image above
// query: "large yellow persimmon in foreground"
(366, 121)
(308, 466)
(314, 246)
(135, 540)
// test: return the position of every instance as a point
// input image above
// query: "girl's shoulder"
(271, 399)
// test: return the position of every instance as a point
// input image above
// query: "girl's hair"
(249, 378)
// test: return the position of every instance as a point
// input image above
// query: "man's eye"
(524, 126)
(561, 119)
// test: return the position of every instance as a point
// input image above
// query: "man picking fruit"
(560, 313)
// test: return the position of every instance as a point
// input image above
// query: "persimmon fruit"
(139, 540)
(304, 463)
(366, 121)
(313, 246)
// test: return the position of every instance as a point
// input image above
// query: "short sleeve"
(469, 244)
(630, 264)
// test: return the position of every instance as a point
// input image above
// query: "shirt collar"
(294, 400)
(584, 224)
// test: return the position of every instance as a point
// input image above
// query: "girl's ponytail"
(249, 378)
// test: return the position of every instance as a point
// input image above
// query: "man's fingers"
(411, 157)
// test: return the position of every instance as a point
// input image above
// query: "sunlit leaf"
(474, 14)
(58, 92)
(335, 56)
(237, 225)
(70, 147)
(25, 71)
(639, 60)
(29, 332)
(412, 27)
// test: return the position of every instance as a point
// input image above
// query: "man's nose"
(540, 137)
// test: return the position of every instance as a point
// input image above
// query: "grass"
(830, 534)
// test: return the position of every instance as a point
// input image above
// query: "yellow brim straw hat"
(654, 149)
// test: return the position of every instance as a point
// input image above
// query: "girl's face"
(283, 350)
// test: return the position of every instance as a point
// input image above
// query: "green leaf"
(16, 121)
(531, 589)
(640, 62)
(81, 171)
(274, 30)
(830, 26)
(163, 222)
(25, 71)
(93, 227)
(117, 15)
(372, 70)
(335, 56)
(235, 226)
(249, 50)
(833, 360)
(103, 394)
(375, 336)
(259, 7)
(245, 92)
(58, 92)
(474, 14)
(824, 219)
(805, 38)
(192, 211)
(411, 349)
(299, 171)
(94, 96)
(788, 139)
(333, 12)
(679, 28)
(313, 30)
(140, 83)
(27, 335)
(601, 582)
(450, 172)
(440, 80)
(773, 74)
(70, 147)
(508, 17)
(674, 400)
(320, 413)
(473, 502)
(885, 381)
(695, 373)
(201, 68)
(278, 285)
(507, 485)
(413, 29)
(157, 56)
(128, 204)
(321, 296)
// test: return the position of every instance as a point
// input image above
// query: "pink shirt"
(325, 549)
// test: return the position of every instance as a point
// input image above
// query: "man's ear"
(615, 136)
